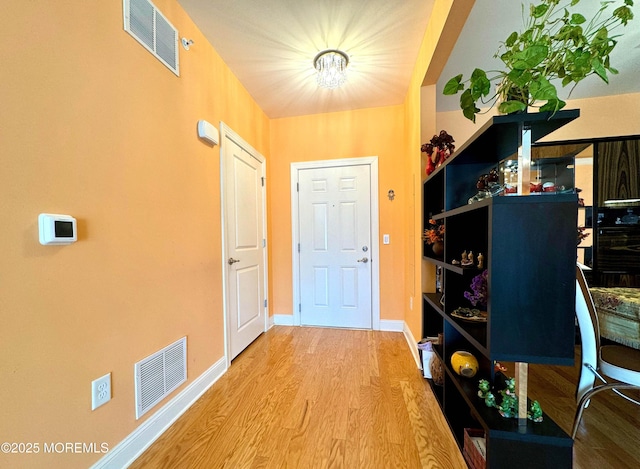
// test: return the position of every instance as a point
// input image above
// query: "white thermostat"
(57, 229)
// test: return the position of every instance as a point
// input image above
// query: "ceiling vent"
(151, 29)
(159, 374)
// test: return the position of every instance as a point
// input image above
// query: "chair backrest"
(586, 313)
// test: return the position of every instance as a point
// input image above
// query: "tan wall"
(92, 125)
(350, 134)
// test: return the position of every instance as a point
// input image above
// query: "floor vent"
(159, 374)
(151, 29)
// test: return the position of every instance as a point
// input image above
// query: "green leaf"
(530, 57)
(553, 105)
(468, 105)
(480, 84)
(453, 85)
(624, 14)
(577, 18)
(509, 107)
(599, 69)
(541, 90)
(574, 2)
(511, 40)
(539, 11)
(520, 78)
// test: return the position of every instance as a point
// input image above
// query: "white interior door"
(334, 213)
(245, 244)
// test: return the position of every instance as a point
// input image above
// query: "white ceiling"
(270, 45)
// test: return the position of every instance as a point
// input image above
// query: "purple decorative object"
(479, 288)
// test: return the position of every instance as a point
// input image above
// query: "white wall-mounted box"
(57, 229)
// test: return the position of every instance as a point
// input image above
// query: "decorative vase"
(464, 364)
(437, 370)
(441, 156)
(438, 248)
(430, 166)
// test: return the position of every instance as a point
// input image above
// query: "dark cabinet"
(528, 244)
(616, 260)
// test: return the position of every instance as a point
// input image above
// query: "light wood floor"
(311, 397)
(609, 433)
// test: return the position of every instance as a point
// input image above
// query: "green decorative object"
(557, 43)
(508, 406)
(535, 412)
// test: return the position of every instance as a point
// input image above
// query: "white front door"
(334, 213)
(243, 176)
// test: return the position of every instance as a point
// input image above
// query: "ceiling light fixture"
(331, 66)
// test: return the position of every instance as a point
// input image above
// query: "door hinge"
(297, 186)
(265, 302)
(298, 247)
(264, 243)
(262, 181)
(299, 307)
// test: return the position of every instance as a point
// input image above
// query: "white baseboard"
(391, 325)
(125, 452)
(413, 345)
(282, 319)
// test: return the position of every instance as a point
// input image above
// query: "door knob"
(364, 260)
(233, 261)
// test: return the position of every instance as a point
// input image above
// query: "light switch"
(385, 239)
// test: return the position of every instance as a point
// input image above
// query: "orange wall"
(92, 125)
(366, 132)
(446, 21)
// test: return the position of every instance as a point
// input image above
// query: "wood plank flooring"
(312, 397)
(609, 432)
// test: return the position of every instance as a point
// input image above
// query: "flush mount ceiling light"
(331, 68)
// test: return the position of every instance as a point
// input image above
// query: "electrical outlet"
(100, 391)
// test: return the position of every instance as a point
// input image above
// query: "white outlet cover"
(100, 391)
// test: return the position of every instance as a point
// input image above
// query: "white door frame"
(372, 161)
(226, 131)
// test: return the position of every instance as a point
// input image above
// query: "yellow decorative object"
(464, 364)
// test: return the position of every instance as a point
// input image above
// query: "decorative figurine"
(480, 260)
(467, 259)
(535, 412)
(508, 408)
(490, 400)
(497, 366)
(483, 388)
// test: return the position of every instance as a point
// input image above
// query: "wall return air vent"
(151, 29)
(159, 374)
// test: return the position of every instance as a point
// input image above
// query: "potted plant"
(556, 44)
(434, 235)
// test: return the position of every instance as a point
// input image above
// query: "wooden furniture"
(616, 260)
(618, 311)
(616, 363)
(529, 249)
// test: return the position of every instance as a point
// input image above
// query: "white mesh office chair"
(618, 364)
